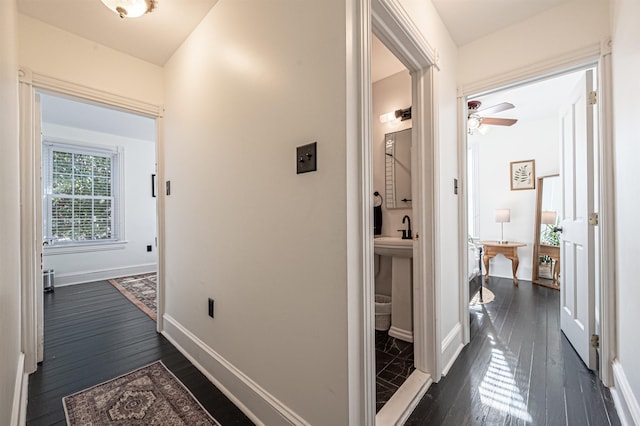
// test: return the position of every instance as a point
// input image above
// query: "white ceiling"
(468, 20)
(155, 36)
(152, 37)
(75, 113)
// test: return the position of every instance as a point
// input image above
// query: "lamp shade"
(503, 215)
(130, 8)
(548, 218)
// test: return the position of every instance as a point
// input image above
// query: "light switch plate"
(306, 158)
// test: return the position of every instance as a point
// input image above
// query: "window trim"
(49, 144)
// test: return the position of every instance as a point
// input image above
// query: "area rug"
(151, 395)
(140, 290)
(487, 296)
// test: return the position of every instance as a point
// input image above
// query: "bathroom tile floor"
(394, 363)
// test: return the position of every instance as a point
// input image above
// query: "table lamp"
(502, 216)
(548, 218)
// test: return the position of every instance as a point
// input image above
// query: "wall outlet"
(149, 247)
(211, 307)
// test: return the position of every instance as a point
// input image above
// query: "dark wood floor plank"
(518, 369)
(94, 334)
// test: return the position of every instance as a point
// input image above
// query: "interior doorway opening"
(538, 208)
(99, 222)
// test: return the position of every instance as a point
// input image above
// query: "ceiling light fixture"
(131, 8)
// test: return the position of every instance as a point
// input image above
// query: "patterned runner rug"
(140, 290)
(151, 395)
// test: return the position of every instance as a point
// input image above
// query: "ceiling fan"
(476, 116)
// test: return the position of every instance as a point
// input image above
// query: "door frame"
(393, 26)
(31, 83)
(599, 57)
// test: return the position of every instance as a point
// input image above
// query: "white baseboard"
(624, 398)
(18, 406)
(451, 347)
(400, 406)
(258, 404)
(61, 280)
(399, 333)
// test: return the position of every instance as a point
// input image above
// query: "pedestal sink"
(401, 253)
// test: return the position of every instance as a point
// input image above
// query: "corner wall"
(10, 350)
(250, 84)
(626, 62)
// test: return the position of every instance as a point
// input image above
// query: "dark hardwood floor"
(518, 369)
(94, 334)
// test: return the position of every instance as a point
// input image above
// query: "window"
(473, 205)
(81, 198)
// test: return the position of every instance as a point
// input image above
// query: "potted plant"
(551, 237)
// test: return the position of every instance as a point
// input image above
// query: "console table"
(508, 250)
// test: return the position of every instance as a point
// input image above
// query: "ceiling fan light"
(131, 8)
(473, 122)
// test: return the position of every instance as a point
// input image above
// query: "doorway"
(98, 204)
(410, 48)
(538, 139)
(100, 228)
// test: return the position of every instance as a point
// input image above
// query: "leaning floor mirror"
(546, 238)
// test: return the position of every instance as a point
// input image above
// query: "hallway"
(518, 369)
(94, 334)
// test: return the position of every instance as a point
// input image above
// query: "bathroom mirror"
(546, 241)
(397, 165)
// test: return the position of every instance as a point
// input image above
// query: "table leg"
(514, 267)
(485, 260)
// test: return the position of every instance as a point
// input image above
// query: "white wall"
(626, 61)
(389, 94)
(526, 140)
(269, 246)
(550, 34)
(9, 214)
(139, 213)
(65, 56)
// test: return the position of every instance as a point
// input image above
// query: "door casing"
(596, 56)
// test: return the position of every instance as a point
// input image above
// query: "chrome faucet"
(406, 233)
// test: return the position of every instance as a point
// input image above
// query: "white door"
(577, 289)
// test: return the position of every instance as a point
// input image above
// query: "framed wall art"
(523, 175)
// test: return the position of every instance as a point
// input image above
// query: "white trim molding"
(254, 401)
(595, 55)
(575, 59)
(624, 398)
(31, 206)
(56, 85)
(452, 344)
(396, 411)
(61, 280)
(19, 406)
(394, 27)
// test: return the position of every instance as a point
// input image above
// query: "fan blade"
(499, 121)
(497, 108)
